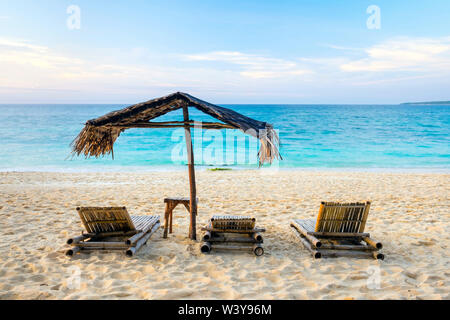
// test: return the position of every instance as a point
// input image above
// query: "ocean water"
(38, 137)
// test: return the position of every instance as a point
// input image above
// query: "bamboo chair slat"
(342, 217)
(307, 224)
(141, 222)
(105, 219)
(233, 222)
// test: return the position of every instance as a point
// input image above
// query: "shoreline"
(199, 168)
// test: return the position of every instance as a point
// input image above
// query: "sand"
(409, 215)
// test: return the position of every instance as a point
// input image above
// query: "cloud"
(390, 80)
(20, 44)
(342, 48)
(30, 65)
(50, 75)
(407, 54)
(253, 66)
(35, 71)
(22, 53)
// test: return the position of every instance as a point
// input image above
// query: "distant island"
(428, 103)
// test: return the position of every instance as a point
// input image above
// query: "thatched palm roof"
(98, 136)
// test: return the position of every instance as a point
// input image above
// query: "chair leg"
(166, 220)
(170, 221)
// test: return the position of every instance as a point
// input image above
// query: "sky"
(225, 52)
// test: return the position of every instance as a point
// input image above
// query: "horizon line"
(231, 104)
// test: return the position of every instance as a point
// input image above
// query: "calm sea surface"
(37, 137)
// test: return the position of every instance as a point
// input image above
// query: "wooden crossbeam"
(339, 234)
(175, 124)
(233, 231)
(108, 221)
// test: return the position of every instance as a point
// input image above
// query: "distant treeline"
(430, 102)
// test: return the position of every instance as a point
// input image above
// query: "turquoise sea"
(37, 138)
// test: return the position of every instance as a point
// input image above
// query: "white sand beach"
(409, 215)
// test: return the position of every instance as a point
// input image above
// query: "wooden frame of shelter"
(98, 135)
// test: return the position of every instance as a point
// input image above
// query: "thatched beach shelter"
(98, 136)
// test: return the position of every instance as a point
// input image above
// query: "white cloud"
(29, 70)
(20, 44)
(342, 48)
(33, 70)
(20, 52)
(253, 66)
(404, 55)
(30, 65)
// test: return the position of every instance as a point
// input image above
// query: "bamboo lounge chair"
(232, 233)
(112, 228)
(338, 231)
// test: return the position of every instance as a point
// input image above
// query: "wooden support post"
(193, 191)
